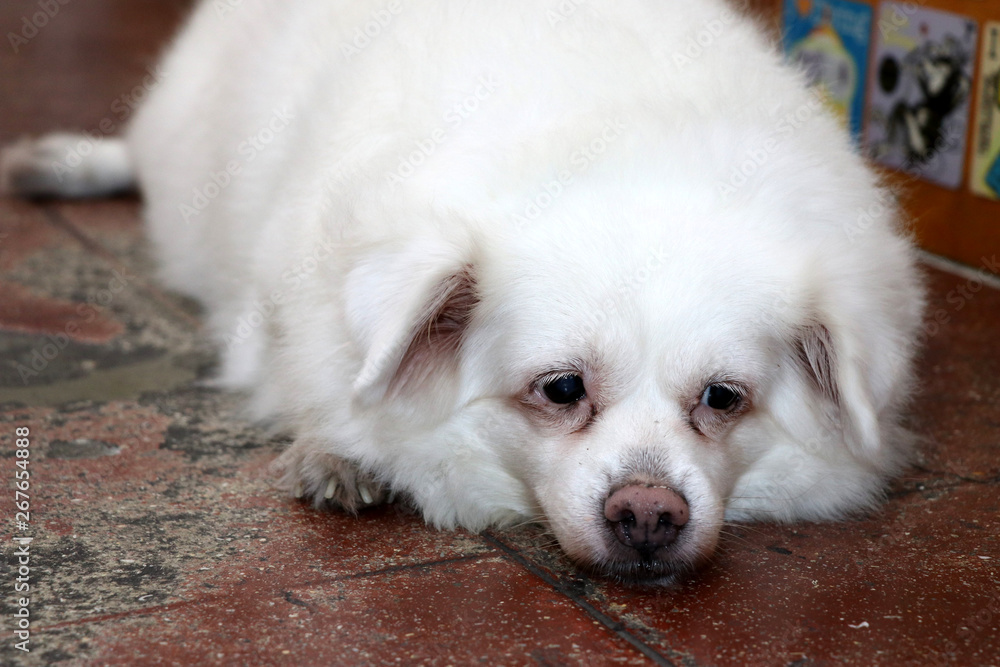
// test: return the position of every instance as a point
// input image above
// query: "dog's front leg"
(309, 471)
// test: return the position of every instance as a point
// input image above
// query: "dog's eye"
(565, 389)
(719, 397)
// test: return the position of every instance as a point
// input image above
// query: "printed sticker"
(918, 99)
(830, 39)
(985, 177)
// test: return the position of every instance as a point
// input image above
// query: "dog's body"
(605, 265)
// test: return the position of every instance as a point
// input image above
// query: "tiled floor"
(159, 538)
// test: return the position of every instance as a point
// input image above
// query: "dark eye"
(719, 397)
(565, 389)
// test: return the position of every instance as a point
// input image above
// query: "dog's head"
(633, 375)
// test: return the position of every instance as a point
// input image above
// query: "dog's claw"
(327, 480)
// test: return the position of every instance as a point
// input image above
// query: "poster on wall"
(829, 39)
(919, 91)
(985, 177)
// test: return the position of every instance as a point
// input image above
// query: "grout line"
(409, 566)
(58, 220)
(962, 270)
(617, 627)
(142, 611)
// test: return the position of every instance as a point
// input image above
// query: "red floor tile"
(59, 321)
(478, 611)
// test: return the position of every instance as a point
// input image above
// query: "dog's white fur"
(441, 202)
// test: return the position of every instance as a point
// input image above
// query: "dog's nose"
(646, 517)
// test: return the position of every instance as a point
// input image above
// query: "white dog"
(606, 265)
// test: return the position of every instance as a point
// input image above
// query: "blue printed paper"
(829, 39)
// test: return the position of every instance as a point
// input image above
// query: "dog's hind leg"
(309, 472)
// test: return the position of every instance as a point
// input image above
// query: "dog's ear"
(409, 312)
(837, 370)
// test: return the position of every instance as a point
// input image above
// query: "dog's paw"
(312, 474)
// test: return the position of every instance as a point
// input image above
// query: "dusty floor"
(159, 538)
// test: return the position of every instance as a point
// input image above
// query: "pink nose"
(646, 517)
